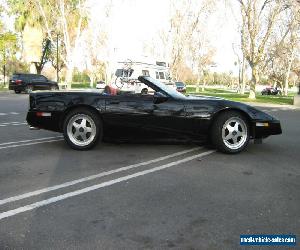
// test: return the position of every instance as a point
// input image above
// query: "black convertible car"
(85, 117)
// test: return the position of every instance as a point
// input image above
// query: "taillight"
(18, 81)
(43, 114)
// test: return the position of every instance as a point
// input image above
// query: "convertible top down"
(85, 117)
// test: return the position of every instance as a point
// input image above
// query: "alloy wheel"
(234, 133)
(81, 130)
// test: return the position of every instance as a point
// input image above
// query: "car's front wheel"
(230, 132)
(82, 129)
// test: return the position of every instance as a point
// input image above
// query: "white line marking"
(39, 139)
(97, 186)
(12, 124)
(10, 113)
(27, 144)
(7, 123)
(17, 124)
(92, 177)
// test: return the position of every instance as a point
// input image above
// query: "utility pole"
(4, 67)
(57, 60)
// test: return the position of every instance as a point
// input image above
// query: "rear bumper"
(263, 131)
(51, 122)
(16, 87)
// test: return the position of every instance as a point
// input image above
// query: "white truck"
(127, 73)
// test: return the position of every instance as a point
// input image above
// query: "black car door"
(128, 110)
(142, 111)
(167, 116)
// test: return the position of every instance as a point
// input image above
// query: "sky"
(133, 23)
(136, 21)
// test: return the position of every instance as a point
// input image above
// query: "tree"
(241, 64)
(28, 23)
(95, 46)
(45, 57)
(259, 19)
(7, 50)
(293, 41)
(70, 20)
(187, 35)
(57, 52)
(282, 56)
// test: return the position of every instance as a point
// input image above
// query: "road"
(133, 196)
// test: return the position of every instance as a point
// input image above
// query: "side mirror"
(159, 97)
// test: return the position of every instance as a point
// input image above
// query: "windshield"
(158, 86)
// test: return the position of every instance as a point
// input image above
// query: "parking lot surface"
(134, 196)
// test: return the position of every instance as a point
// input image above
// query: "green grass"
(244, 98)
(2, 88)
(209, 90)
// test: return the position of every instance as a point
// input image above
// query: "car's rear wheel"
(230, 132)
(82, 129)
(17, 91)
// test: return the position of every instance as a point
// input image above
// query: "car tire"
(17, 91)
(28, 89)
(82, 129)
(230, 132)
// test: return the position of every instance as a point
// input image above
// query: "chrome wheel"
(81, 130)
(234, 133)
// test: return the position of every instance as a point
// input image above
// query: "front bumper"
(263, 129)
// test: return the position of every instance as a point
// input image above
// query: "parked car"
(85, 117)
(100, 85)
(171, 85)
(271, 91)
(30, 82)
(180, 87)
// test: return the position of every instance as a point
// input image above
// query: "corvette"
(85, 118)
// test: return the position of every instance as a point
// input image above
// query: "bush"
(80, 77)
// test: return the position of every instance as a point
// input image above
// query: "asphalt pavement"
(143, 196)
